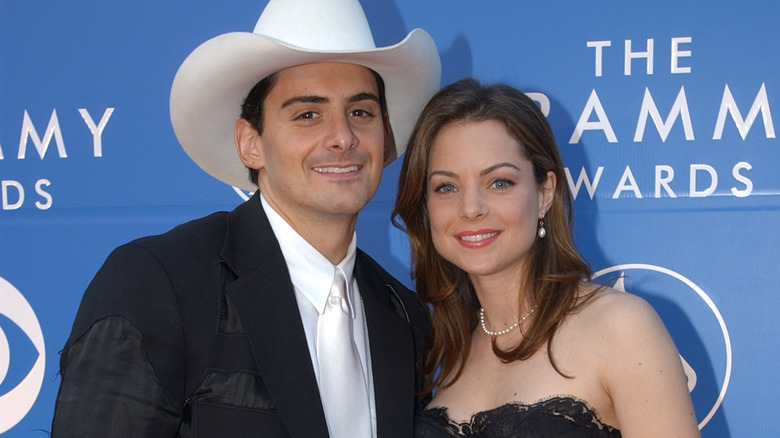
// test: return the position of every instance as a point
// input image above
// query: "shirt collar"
(310, 271)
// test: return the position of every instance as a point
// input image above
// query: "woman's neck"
(500, 296)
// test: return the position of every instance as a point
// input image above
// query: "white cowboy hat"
(213, 81)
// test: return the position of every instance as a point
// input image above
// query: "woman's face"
(483, 200)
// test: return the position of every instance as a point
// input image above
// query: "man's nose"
(342, 135)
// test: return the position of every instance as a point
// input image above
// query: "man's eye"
(362, 113)
(308, 115)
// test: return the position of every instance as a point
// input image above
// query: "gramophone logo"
(16, 313)
(695, 324)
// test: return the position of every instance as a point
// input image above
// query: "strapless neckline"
(560, 416)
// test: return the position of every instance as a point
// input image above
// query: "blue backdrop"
(663, 112)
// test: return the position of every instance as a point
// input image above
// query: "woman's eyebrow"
(498, 166)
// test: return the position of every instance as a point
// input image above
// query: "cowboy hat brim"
(214, 80)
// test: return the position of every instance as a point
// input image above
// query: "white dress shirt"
(311, 274)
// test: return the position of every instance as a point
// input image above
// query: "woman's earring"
(542, 232)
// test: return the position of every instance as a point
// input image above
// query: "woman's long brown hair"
(555, 268)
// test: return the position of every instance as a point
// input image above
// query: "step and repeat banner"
(663, 112)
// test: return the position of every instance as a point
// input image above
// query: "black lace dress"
(560, 417)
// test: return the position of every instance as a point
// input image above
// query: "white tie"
(342, 386)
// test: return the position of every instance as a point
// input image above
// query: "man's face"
(320, 156)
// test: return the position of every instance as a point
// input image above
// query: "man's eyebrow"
(304, 99)
(364, 96)
(319, 99)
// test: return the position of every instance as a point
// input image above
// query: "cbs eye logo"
(695, 324)
(18, 391)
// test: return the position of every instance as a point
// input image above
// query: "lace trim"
(566, 408)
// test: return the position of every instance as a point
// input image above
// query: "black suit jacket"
(196, 332)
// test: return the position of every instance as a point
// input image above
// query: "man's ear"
(391, 153)
(547, 192)
(248, 145)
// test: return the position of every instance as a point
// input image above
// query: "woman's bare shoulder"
(618, 317)
(637, 362)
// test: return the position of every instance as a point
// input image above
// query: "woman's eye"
(502, 184)
(444, 188)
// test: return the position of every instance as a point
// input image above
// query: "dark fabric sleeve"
(110, 388)
(122, 368)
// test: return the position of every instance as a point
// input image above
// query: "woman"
(523, 344)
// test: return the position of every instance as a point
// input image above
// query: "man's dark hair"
(252, 108)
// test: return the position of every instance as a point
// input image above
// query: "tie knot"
(339, 287)
(338, 291)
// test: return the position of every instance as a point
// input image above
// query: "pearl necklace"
(506, 330)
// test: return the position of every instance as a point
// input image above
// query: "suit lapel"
(265, 300)
(392, 352)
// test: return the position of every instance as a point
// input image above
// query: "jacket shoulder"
(197, 234)
(402, 296)
(368, 263)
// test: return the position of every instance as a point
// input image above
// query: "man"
(231, 325)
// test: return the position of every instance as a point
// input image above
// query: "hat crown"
(336, 25)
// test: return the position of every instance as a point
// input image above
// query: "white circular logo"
(699, 331)
(16, 403)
